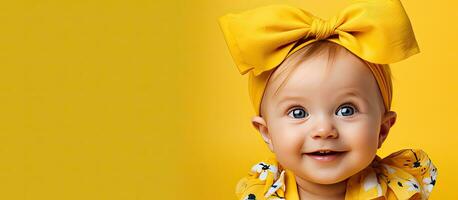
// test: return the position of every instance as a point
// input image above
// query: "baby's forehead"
(345, 71)
(316, 81)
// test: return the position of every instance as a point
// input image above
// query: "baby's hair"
(290, 64)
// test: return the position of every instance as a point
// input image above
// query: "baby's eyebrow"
(290, 98)
(351, 93)
(354, 93)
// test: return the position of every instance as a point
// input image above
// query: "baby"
(322, 94)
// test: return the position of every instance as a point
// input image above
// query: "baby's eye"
(346, 110)
(298, 113)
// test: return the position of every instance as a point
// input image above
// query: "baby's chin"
(326, 178)
(328, 175)
(333, 172)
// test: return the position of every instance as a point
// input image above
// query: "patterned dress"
(406, 174)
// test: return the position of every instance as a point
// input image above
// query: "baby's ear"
(260, 124)
(388, 120)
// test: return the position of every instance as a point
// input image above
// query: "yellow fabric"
(382, 75)
(405, 174)
(377, 31)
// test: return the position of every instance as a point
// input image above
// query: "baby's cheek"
(288, 145)
(289, 142)
(363, 141)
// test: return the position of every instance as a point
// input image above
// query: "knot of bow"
(322, 29)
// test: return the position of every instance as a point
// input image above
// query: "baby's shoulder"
(413, 161)
(408, 172)
(264, 180)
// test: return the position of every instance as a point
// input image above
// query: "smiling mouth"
(325, 153)
(326, 156)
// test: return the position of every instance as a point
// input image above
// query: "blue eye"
(346, 110)
(298, 113)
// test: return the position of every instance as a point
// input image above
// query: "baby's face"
(338, 109)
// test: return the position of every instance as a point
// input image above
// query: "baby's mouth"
(325, 155)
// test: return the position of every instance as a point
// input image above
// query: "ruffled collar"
(405, 174)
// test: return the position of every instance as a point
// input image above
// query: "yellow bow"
(377, 31)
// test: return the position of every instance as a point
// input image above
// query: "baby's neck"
(310, 190)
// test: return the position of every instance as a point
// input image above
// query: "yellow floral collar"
(405, 174)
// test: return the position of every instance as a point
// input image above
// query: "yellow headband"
(378, 31)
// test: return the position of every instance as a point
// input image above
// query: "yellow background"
(141, 100)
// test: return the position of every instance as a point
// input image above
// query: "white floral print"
(413, 185)
(279, 184)
(389, 169)
(250, 197)
(430, 181)
(263, 169)
(370, 181)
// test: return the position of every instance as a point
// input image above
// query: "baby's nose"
(324, 130)
(325, 134)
